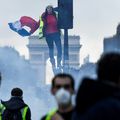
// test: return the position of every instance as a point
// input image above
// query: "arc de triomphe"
(39, 53)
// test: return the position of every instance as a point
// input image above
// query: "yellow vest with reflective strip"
(50, 114)
(23, 111)
(41, 28)
(2, 108)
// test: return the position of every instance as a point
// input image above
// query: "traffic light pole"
(66, 50)
(65, 21)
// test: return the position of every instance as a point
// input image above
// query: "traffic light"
(65, 14)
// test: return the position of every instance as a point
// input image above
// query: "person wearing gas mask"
(62, 89)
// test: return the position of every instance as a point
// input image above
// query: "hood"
(92, 91)
(14, 103)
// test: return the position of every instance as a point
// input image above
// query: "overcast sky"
(93, 20)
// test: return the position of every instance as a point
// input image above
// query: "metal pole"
(66, 49)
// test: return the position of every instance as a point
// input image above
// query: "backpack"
(14, 114)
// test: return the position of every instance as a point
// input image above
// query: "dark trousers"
(51, 39)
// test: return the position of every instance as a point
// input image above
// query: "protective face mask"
(63, 96)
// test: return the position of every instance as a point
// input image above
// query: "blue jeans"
(51, 39)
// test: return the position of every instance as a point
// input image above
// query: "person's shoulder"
(26, 106)
(44, 117)
(107, 108)
(49, 113)
(108, 105)
(111, 102)
(43, 14)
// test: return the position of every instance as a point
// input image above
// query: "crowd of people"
(96, 99)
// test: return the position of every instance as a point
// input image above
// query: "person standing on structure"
(49, 29)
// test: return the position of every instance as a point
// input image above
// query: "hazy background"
(93, 20)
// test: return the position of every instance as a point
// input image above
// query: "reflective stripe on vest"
(50, 114)
(2, 108)
(24, 112)
(41, 28)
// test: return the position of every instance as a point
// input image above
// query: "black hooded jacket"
(97, 101)
(15, 103)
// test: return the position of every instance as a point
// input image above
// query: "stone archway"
(39, 53)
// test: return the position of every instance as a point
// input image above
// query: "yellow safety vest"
(42, 25)
(2, 108)
(41, 28)
(23, 111)
(50, 114)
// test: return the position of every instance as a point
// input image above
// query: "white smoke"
(16, 72)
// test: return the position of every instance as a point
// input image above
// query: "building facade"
(112, 44)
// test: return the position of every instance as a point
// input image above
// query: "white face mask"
(63, 96)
